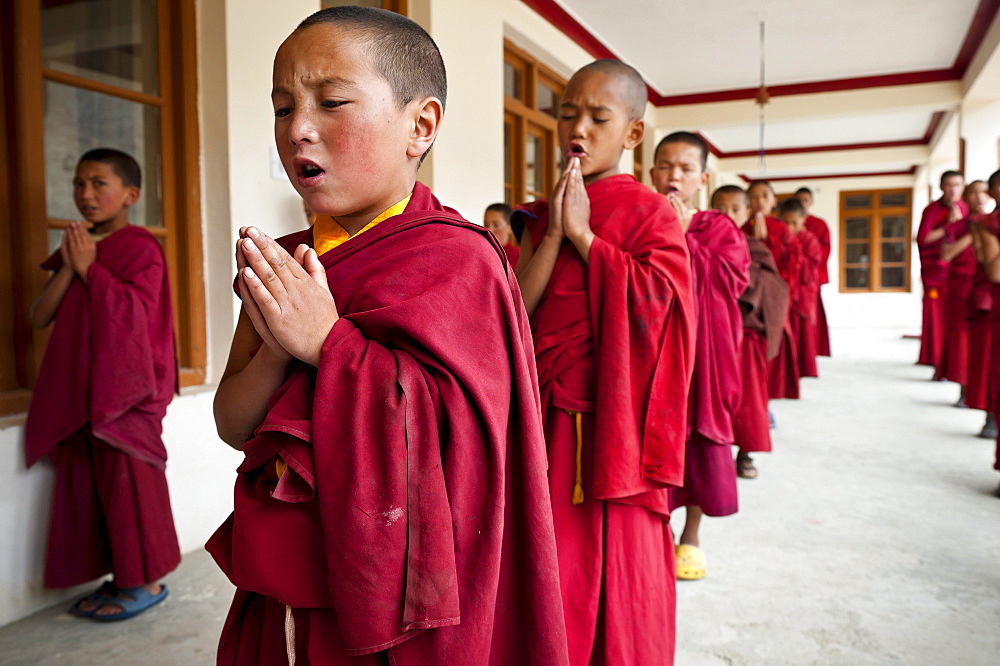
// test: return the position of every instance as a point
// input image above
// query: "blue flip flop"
(106, 591)
(141, 601)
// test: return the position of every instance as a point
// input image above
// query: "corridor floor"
(872, 536)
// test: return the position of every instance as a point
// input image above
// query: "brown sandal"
(745, 468)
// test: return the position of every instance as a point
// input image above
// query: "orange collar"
(327, 234)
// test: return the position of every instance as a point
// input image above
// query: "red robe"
(992, 222)
(720, 265)
(805, 313)
(764, 305)
(614, 341)
(955, 302)
(108, 374)
(413, 522)
(934, 276)
(821, 230)
(512, 252)
(783, 369)
(977, 394)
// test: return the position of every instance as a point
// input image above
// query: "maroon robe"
(977, 395)
(821, 230)
(804, 316)
(720, 265)
(934, 276)
(108, 374)
(512, 252)
(614, 341)
(412, 522)
(764, 305)
(954, 364)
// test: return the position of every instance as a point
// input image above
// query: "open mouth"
(309, 173)
(575, 150)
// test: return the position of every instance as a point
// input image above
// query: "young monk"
(957, 252)
(783, 369)
(804, 302)
(392, 506)
(497, 219)
(606, 277)
(933, 271)
(764, 306)
(720, 264)
(986, 239)
(821, 230)
(980, 306)
(108, 374)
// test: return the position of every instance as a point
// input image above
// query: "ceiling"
(708, 51)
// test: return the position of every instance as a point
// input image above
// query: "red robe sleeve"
(720, 264)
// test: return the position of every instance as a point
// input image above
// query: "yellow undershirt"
(328, 234)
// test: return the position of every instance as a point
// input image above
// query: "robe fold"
(614, 342)
(764, 306)
(413, 516)
(954, 364)
(805, 315)
(720, 265)
(108, 374)
(821, 230)
(934, 277)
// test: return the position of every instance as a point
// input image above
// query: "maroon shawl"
(765, 301)
(416, 495)
(110, 363)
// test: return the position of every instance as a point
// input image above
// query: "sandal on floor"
(140, 601)
(745, 468)
(691, 563)
(106, 591)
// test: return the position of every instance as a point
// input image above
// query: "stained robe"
(108, 374)
(805, 316)
(412, 523)
(783, 369)
(954, 364)
(977, 395)
(614, 342)
(720, 266)
(821, 230)
(934, 277)
(764, 306)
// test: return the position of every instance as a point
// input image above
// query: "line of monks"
(957, 241)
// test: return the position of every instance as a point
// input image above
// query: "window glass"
(894, 226)
(857, 278)
(858, 201)
(893, 199)
(547, 99)
(893, 277)
(858, 227)
(856, 253)
(512, 85)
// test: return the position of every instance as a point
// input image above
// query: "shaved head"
(633, 88)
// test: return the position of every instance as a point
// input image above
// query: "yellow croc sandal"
(691, 563)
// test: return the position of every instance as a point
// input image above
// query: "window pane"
(857, 278)
(893, 199)
(546, 98)
(77, 120)
(533, 166)
(858, 227)
(856, 253)
(894, 226)
(858, 201)
(508, 141)
(893, 252)
(111, 41)
(893, 277)
(512, 82)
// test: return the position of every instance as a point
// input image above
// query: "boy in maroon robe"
(783, 369)
(108, 374)
(957, 252)
(720, 264)
(606, 276)
(978, 394)
(821, 230)
(392, 506)
(933, 271)
(764, 306)
(497, 219)
(806, 299)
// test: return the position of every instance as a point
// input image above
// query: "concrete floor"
(871, 537)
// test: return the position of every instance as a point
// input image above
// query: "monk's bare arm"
(247, 385)
(534, 268)
(934, 236)
(43, 309)
(951, 250)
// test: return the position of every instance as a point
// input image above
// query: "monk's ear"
(636, 132)
(132, 196)
(426, 116)
(704, 178)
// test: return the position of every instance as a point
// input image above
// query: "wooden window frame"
(525, 118)
(875, 264)
(24, 183)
